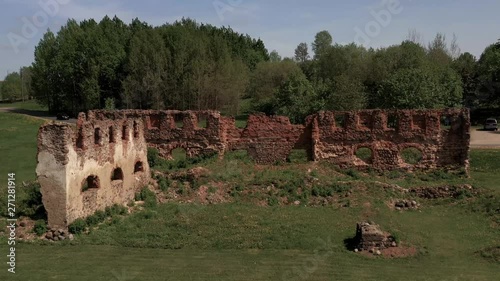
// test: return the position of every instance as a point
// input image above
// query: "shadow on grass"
(351, 243)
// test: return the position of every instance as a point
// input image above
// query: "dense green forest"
(191, 66)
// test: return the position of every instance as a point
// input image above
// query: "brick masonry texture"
(69, 159)
(442, 136)
(100, 163)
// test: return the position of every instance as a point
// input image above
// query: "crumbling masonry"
(101, 163)
(104, 161)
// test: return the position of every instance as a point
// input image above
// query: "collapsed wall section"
(100, 163)
(269, 139)
(441, 136)
(196, 132)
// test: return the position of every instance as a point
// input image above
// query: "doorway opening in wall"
(179, 154)
(392, 121)
(124, 133)
(117, 175)
(340, 121)
(111, 134)
(179, 121)
(365, 154)
(445, 121)
(136, 130)
(79, 140)
(154, 122)
(202, 121)
(365, 120)
(92, 182)
(97, 136)
(298, 156)
(412, 155)
(138, 167)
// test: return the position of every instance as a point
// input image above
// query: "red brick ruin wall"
(326, 136)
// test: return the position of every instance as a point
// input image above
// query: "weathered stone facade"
(326, 136)
(101, 163)
(441, 146)
(67, 158)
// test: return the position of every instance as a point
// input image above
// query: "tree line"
(191, 66)
(411, 75)
(110, 64)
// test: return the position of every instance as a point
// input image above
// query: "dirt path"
(33, 113)
(484, 139)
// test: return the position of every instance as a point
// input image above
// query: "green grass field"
(27, 105)
(242, 241)
(18, 135)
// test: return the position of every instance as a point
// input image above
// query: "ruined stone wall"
(268, 139)
(197, 132)
(338, 135)
(100, 163)
(326, 136)
(106, 140)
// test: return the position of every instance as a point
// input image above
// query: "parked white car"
(491, 124)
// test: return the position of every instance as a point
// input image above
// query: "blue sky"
(282, 24)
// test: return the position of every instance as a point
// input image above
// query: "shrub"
(273, 201)
(40, 227)
(315, 191)
(181, 164)
(164, 184)
(182, 189)
(353, 173)
(78, 226)
(395, 174)
(340, 188)
(100, 215)
(114, 210)
(212, 189)
(115, 220)
(148, 196)
(93, 220)
(492, 254)
(28, 201)
(153, 157)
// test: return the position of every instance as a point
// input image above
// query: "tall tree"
(438, 50)
(302, 53)
(466, 66)
(420, 88)
(415, 37)
(267, 78)
(489, 76)
(26, 77)
(274, 56)
(11, 87)
(44, 75)
(322, 41)
(147, 65)
(345, 93)
(295, 98)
